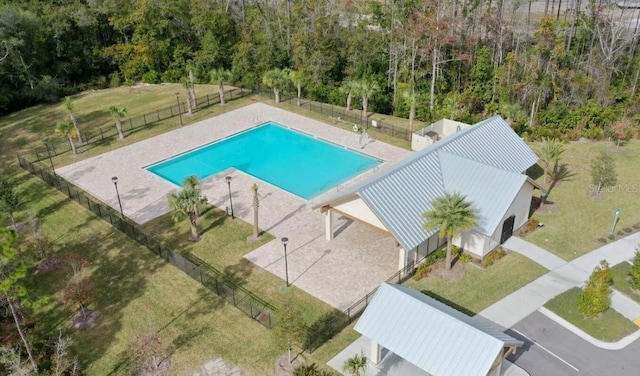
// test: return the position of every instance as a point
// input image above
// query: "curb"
(619, 345)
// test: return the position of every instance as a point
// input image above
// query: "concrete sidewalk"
(535, 253)
(564, 275)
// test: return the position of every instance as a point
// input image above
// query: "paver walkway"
(565, 275)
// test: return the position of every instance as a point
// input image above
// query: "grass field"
(610, 326)
(499, 280)
(576, 220)
(620, 275)
(223, 245)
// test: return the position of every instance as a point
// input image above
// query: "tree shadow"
(559, 173)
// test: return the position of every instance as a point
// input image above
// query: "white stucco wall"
(449, 127)
(356, 208)
(479, 244)
(420, 142)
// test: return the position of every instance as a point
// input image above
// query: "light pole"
(46, 143)
(615, 220)
(228, 179)
(115, 183)
(179, 112)
(285, 241)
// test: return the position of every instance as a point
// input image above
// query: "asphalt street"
(552, 350)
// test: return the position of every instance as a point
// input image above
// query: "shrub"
(602, 240)
(151, 77)
(636, 226)
(172, 75)
(620, 232)
(493, 256)
(595, 297)
(310, 370)
(611, 237)
(627, 229)
(634, 274)
(114, 80)
(465, 258)
(532, 224)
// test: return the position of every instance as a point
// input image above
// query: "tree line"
(569, 71)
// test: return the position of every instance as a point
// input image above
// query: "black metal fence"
(61, 145)
(250, 304)
(244, 300)
(341, 114)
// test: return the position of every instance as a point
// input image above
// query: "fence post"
(101, 134)
(144, 117)
(130, 125)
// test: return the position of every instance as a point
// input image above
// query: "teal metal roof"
(485, 162)
(431, 335)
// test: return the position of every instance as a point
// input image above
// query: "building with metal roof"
(486, 162)
(431, 335)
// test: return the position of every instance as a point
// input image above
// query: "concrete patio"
(358, 258)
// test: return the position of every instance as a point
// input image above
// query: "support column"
(328, 224)
(402, 258)
(376, 352)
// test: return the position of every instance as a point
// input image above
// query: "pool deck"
(338, 272)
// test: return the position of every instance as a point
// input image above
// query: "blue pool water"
(300, 164)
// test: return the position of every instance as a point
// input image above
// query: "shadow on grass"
(449, 303)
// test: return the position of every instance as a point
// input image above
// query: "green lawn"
(574, 226)
(137, 290)
(223, 245)
(620, 275)
(610, 326)
(498, 280)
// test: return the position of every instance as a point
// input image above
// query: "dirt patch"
(597, 195)
(284, 368)
(217, 367)
(81, 321)
(549, 207)
(457, 272)
(148, 368)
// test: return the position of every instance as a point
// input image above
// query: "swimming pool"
(293, 161)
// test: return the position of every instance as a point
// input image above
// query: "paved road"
(559, 352)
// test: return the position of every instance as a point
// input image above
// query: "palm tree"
(356, 365)
(188, 85)
(192, 182)
(68, 105)
(256, 205)
(366, 89)
(297, 78)
(276, 79)
(65, 128)
(412, 99)
(453, 214)
(192, 79)
(220, 76)
(118, 113)
(549, 152)
(349, 87)
(186, 205)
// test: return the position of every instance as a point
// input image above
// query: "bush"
(611, 237)
(151, 77)
(602, 240)
(595, 297)
(532, 224)
(465, 258)
(310, 370)
(172, 75)
(620, 232)
(634, 274)
(114, 80)
(421, 272)
(636, 226)
(627, 229)
(493, 256)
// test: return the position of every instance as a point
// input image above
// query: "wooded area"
(567, 69)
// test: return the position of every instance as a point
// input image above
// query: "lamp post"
(615, 220)
(285, 241)
(179, 112)
(46, 143)
(115, 183)
(228, 179)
